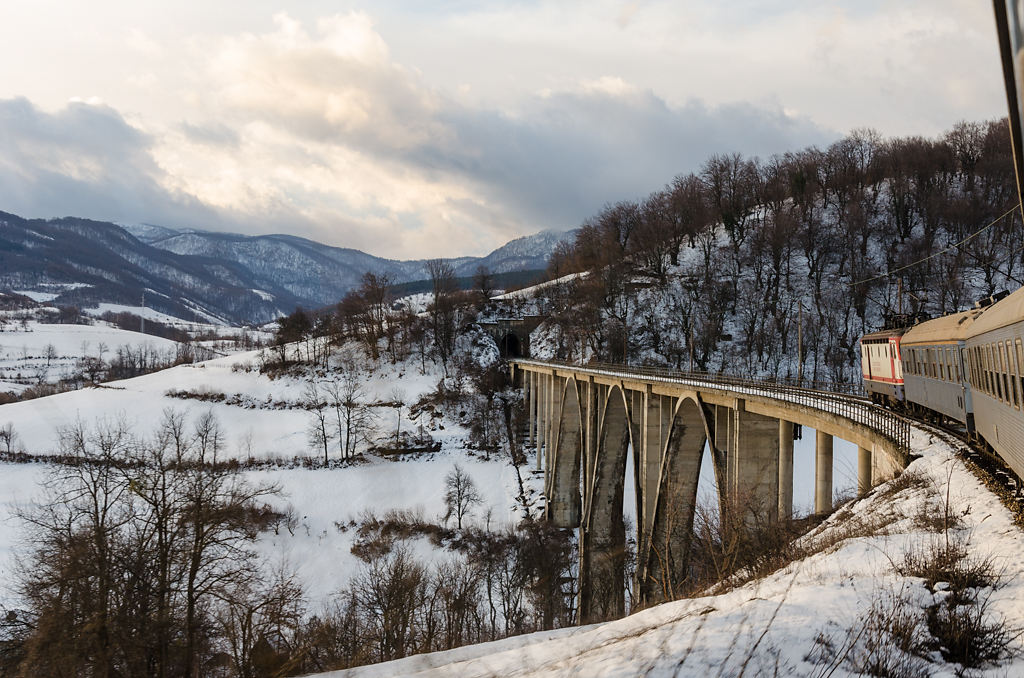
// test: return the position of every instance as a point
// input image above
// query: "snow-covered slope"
(812, 618)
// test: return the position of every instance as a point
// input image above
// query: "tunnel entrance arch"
(511, 346)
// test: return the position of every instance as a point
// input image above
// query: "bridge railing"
(850, 405)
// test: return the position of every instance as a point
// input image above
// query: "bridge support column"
(785, 469)
(649, 461)
(602, 532)
(563, 477)
(721, 454)
(541, 417)
(754, 464)
(823, 473)
(531, 406)
(863, 470)
(666, 535)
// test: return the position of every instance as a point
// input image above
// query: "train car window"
(1020, 366)
(941, 362)
(978, 375)
(975, 368)
(986, 358)
(1012, 371)
(1004, 367)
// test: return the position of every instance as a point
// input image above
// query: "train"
(966, 367)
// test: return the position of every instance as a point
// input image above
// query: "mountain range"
(210, 276)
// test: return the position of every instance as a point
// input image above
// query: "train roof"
(1000, 314)
(953, 327)
(882, 335)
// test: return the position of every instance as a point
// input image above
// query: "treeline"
(384, 328)
(724, 267)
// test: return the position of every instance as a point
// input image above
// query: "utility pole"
(691, 346)
(899, 295)
(142, 316)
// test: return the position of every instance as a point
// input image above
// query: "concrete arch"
(564, 501)
(666, 540)
(603, 548)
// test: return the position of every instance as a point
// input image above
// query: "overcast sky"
(443, 128)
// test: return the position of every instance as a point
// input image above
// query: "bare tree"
(397, 398)
(346, 396)
(483, 285)
(318, 432)
(460, 494)
(8, 437)
(443, 311)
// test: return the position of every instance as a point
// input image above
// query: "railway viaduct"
(583, 420)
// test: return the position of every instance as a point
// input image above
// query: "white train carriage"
(995, 355)
(935, 378)
(881, 367)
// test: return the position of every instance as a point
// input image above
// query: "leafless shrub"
(961, 621)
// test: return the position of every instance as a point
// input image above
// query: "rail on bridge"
(584, 419)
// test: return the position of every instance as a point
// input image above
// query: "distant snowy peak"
(530, 252)
(150, 233)
(196, 274)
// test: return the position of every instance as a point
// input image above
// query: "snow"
(774, 623)
(259, 428)
(38, 296)
(530, 292)
(320, 499)
(23, 351)
(782, 615)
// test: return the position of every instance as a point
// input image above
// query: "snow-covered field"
(24, 349)
(267, 422)
(780, 625)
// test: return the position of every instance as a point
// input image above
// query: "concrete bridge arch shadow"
(583, 422)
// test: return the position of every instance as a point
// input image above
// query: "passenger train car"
(881, 366)
(995, 356)
(967, 367)
(935, 374)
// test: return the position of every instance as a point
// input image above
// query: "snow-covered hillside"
(831, 613)
(266, 424)
(38, 352)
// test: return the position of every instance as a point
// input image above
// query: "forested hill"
(715, 267)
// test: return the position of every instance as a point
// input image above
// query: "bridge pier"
(603, 533)
(863, 470)
(823, 473)
(667, 529)
(564, 503)
(531, 404)
(785, 469)
(540, 414)
(754, 464)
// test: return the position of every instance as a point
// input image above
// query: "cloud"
(315, 129)
(84, 160)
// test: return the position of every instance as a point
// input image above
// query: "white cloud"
(449, 128)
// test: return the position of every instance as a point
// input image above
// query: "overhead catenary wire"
(949, 248)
